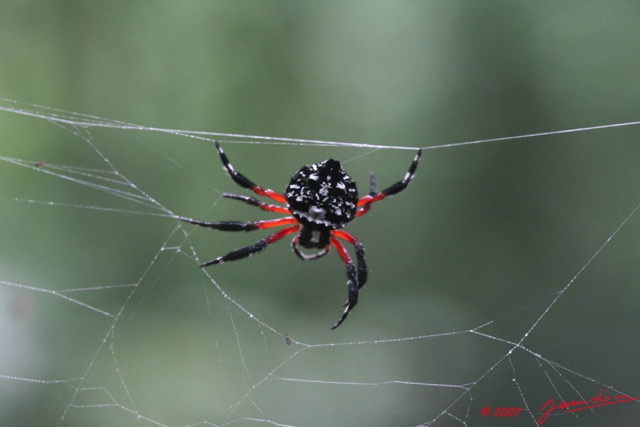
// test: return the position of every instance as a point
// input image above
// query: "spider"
(320, 200)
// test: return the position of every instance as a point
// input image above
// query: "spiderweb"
(106, 318)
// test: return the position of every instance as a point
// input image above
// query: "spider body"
(320, 200)
(322, 197)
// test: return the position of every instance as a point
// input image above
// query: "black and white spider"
(320, 200)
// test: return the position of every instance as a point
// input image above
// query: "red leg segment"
(243, 226)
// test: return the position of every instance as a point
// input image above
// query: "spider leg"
(247, 251)
(255, 202)
(243, 226)
(351, 280)
(372, 183)
(363, 272)
(372, 192)
(245, 182)
(364, 203)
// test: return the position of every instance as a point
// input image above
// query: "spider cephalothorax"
(320, 200)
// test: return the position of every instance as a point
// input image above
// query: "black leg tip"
(208, 263)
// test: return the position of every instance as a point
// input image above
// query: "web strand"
(244, 353)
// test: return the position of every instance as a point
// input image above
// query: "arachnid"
(320, 200)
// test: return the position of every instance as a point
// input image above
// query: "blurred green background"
(487, 234)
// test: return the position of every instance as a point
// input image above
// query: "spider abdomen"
(322, 196)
